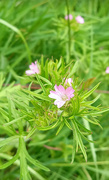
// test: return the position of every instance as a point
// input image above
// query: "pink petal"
(29, 72)
(54, 95)
(107, 70)
(66, 17)
(33, 69)
(59, 89)
(80, 19)
(69, 80)
(59, 103)
(36, 70)
(56, 88)
(70, 17)
(31, 66)
(35, 62)
(69, 92)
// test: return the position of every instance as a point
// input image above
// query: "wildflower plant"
(29, 111)
(70, 106)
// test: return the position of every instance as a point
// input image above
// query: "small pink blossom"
(33, 69)
(107, 70)
(80, 19)
(68, 81)
(70, 17)
(61, 95)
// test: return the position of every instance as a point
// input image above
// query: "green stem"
(69, 33)
(91, 55)
(87, 126)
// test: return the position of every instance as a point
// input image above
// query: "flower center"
(64, 97)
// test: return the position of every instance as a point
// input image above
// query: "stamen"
(64, 97)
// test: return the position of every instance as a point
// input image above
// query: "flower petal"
(31, 66)
(29, 72)
(54, 95)
(36, 70)
(69, 81)
(69, 92)
(59, 89)
(80, 19)
(61, 95)
(34, 67)
(59, 103)
(107, 70)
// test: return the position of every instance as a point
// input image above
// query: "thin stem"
(91, 56)
(92, 147)
(69, 33)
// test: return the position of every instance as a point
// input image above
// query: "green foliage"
(28, 111)
(32, 128)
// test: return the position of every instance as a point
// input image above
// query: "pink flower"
(107, 70)
(61, 95)
(68, 81)
(33, 69)
(70, 17)
(80, 19)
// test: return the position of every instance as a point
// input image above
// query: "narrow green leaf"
(91, 141)
(3, 166)
(8, 130)
(42, 65)
(41, 84)
(35, 162)
(60, 127)
(40, 96)
(14, 121)
(85, 129)
(91, 121)
(94, 100)
(49, 127)
(46, 69)
(31, 133)
(99, 112)
(45, 80)
(8, 140)
(82, 146)
(2, 79)
(59, 63)
(80, 142)
(89, 92)
(74, 69)
(24, 174)
(4, 114)
(17, 162)
(67, 124)
(75, 136)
